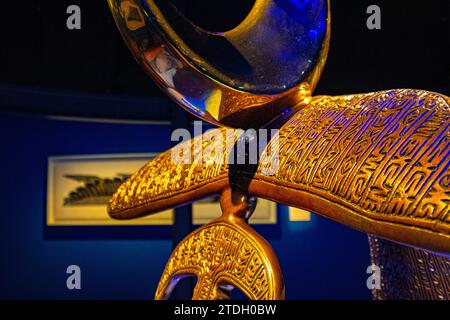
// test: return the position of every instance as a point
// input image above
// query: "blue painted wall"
(321, 259)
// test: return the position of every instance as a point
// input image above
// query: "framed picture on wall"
(203, 211)
(79, 188)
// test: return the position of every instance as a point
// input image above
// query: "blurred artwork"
(79, 188)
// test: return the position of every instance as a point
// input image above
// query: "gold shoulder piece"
(225, 77)
(378, 162)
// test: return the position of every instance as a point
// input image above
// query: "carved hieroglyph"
(220, 255)
(378, 162)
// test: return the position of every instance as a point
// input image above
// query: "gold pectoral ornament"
(225, 254)
(377, 162)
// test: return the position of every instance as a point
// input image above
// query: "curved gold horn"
(242, 77)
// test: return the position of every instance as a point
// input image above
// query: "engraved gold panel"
(409, 273)
(378, 162)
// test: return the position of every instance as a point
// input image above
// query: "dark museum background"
(60, 91)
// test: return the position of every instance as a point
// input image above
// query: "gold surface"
(180, 71)
(377, 162)
(225, 254)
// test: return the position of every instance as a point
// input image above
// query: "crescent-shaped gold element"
(225, 254)
(236, 78)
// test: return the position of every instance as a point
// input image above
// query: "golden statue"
(377, 162)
